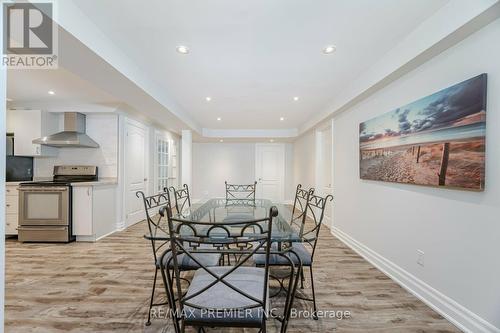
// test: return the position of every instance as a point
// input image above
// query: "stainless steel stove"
(45, 213)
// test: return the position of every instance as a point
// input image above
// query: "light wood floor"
(105, 286)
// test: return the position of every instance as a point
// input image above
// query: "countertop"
(100, 182)
(13, 183)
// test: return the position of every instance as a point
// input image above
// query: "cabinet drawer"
(11, 204)
(11, 224)
(11, 191)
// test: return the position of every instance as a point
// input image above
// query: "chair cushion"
(187, 263)
(278, 260)
(221, 297)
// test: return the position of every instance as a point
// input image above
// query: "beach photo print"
(438, 140)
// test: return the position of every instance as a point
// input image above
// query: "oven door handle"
(42, 189)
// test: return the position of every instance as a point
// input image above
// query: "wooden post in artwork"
(444, 163)
(418, 153)
(412, 150)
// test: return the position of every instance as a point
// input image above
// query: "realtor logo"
(29, 35)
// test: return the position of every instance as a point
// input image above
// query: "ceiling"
(253, 57)
(31, 86)
(85, 82)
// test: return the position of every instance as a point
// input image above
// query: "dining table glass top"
(220, 210)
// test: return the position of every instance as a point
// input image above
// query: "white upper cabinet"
(28, 125)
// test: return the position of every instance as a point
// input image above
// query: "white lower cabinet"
(82, 211)
(11, 209)
(94, 212)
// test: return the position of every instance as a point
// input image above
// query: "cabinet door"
(82, 211)
(26, 125)
(11, 209)
(11, 224)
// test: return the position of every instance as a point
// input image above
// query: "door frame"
(160, 135)
(283, 166)
(131, 122)
(319, 162)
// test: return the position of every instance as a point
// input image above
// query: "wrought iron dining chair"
(240, 200)
(298, 216)
(154, 217)
(306, 249)
(299, 210)
(222, 296)
(236, 193)
(181, 197)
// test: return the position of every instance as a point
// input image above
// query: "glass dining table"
(219, 210)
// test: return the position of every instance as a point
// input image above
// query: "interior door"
(270, 171)
(136, 157)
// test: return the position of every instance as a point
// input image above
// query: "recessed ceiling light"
(282, 118)
(221, 140)
(208, 98)
(219, 118)
(329, 49)
(182, 49)
(51, 92)
(272, 140)
(296, 98)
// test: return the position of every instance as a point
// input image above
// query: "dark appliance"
(9, 149)
(19, 169)
(45, 213)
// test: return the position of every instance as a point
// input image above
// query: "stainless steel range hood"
(72, 136)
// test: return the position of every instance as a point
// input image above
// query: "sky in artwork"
(458, 105)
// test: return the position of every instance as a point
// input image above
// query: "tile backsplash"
(103, 128)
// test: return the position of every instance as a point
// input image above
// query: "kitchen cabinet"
(28, 125)
(94, 211)
(11, 209)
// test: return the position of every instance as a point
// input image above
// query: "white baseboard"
(90, 239)
(120, 225)
(93, 238)
(461, 317)
(106, 235)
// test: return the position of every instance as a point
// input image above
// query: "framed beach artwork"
(438, 140)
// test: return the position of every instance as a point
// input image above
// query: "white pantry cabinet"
(94, 211)
(28, 125)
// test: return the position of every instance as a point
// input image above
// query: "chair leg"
(315, 316)
(152, 298)
(302, 278)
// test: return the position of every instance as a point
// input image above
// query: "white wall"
(103, 128)
(289, 173)
(214, 163)
(458, 230)
(187, 158)
(304, 160)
